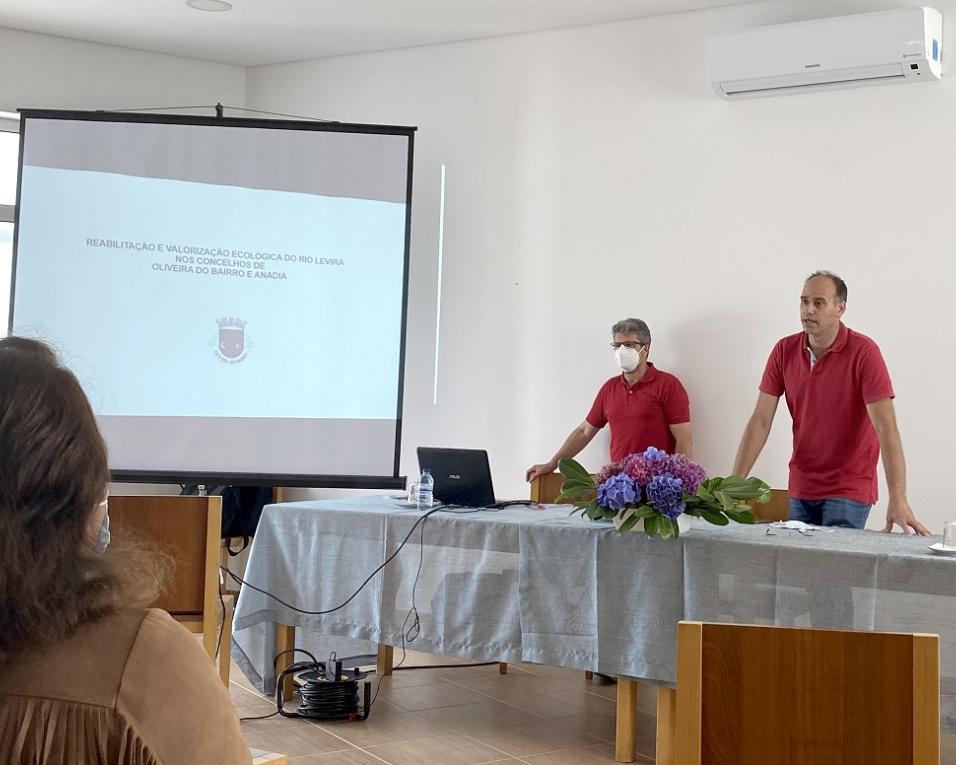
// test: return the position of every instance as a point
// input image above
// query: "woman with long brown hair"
(88, 675)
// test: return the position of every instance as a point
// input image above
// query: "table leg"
(626, 720)
(666, 726)
(285, 641)
(386, 655)
(225, 643)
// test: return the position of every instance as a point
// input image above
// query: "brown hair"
(838, 284)
(53, 473)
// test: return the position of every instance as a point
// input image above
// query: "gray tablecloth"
(538, 585)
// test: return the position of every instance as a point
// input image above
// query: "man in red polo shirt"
(643, 405)
(841, 399)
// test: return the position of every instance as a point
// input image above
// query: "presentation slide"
(231, 298)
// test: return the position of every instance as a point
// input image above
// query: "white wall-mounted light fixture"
(216, 6)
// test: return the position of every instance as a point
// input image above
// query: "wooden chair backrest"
(750, 694)
(189, 529)
(546, 488)
(777, 509)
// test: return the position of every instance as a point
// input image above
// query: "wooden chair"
(777, 509)
(546, 488)
(749, 695)
(189, 529)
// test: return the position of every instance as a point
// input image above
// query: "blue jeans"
(832, 511)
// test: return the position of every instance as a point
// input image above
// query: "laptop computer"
(462, 476)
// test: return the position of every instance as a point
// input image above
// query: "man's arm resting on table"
(580, 437)
(898, 510)
(755, 434)
(684, 439)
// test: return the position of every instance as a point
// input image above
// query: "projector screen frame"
(395, 481)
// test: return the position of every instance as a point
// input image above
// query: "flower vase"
(684, 522)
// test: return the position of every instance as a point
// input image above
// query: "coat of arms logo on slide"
(231, 343)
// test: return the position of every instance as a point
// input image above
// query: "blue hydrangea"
(652, 454)
(666, 494)
(617, 491)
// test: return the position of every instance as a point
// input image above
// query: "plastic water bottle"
(426, 485)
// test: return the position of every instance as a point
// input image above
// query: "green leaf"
(742, 515)
(651, 525)
(726, 501)
(576, 492)
(668, 528)
(578, 481)
(714, 517)
(630, 523)
(573, 470)
(738, 488)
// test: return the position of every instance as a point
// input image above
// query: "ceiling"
(259, 32)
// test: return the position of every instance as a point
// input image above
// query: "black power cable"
(242, 582)
(451, 509)
(326, 691)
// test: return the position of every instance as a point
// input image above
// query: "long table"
(539, 585)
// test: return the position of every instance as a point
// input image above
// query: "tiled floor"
(466, 716)
(458, 716)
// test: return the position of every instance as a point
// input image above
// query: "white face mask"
(627, 358)
(103, 536)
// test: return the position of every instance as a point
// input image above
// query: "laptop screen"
(462, 476)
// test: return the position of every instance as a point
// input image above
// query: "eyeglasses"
(634, 346)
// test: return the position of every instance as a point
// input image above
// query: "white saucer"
(940, 550)
(405, 503)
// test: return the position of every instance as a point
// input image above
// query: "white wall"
(40, 71)
(591, 175)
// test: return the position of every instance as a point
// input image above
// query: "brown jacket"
(132, 689)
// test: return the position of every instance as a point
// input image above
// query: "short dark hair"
(838, 283)
(53, 474)
(632, 327)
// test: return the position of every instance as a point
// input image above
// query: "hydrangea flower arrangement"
(656, 487)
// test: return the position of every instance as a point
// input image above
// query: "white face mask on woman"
(103, 538)
(627, 358)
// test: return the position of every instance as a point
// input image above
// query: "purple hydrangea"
(607, 471)
(666, 494)
(617, 491)
(638, 468)
(690, 473)
(642, 467)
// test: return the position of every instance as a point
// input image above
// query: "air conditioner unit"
(847, 51)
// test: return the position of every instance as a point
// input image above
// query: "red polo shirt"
(835, 446)
(640, 415)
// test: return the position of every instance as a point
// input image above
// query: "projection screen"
(230, 293)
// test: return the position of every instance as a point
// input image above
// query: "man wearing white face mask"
(643, 405)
